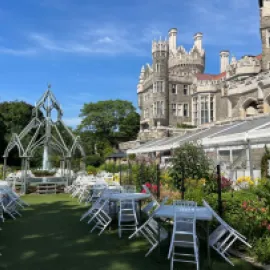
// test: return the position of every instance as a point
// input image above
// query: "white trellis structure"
(47, 133)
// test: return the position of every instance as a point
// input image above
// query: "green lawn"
(50, 236)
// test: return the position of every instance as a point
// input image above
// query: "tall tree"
(115, 120)
(14, 116)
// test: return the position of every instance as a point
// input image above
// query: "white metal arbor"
(47, 133)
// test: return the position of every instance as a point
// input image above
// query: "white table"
(167, 211)
(202, 214)
(127, 196)
(115, 197)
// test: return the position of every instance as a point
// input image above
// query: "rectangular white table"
(167, 211)
(202, 214)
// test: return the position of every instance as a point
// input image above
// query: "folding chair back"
(151, 230)
(224, 236)
(184, 234)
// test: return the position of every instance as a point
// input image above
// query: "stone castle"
(175, 90)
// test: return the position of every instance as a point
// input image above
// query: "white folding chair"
(223, 237)
(184, 235)
(100, 216)
(95, 205)
(10, 207)
(151, 230)
(96, 192)
(127, 218)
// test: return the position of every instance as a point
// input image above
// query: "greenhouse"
(237, 145)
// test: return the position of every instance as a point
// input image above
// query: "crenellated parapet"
(247, 85)
(248, 65)
(207, 85)
(160, 46)
(194, 59)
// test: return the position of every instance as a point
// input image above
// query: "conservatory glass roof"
(236, 130)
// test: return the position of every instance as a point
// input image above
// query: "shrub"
(261, 249)
(91, 169)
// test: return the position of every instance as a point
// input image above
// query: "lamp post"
(220, 210)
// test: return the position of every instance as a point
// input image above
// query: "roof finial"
(49, 86)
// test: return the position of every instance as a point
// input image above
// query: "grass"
(50, 236)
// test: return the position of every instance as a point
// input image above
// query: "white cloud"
(72, 121)
(18, 52)
(110, 40)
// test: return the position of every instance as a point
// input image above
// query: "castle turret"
(198, 41)
(173, 39)
(265, 33)
(160, 54)
(224, 60)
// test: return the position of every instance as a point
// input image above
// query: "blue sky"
(92, 50)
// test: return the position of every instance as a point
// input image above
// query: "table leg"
(159, 240)
(209, 266)
(140, 212)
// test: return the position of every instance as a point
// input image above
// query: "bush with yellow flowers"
(245, 181)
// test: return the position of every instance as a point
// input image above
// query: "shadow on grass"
(50, 236)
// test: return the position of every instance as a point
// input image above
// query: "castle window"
(179, 110)
(158, 87)
(195, 110)
(211, 109)
(185, 110)
(146, 113)
(158, 67)
(174, 89)
(185, 90)
(204, 110)
(174, 109)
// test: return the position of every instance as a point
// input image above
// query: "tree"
(14, 116)
(115, 120)
(190, 161)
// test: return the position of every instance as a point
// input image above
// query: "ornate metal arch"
(44, 132)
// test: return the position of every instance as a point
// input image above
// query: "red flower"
(143, 191)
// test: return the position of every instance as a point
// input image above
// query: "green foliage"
(261, 249)
(132, 157)
(185, 126)
(94, 160)
(91, 169)
(264, 162)
(189, 161)
(115, 120)
(14, 116)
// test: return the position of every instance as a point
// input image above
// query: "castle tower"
(173, 39)
(224, 60)
(265, 33)
(198, 41)
(160, 54)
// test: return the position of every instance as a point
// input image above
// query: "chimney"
(224, 60)
(172, 39)
(198, 41)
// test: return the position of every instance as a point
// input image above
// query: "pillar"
(250, 160)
